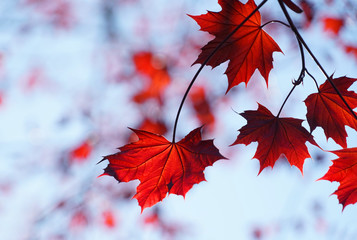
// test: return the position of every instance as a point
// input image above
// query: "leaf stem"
(300, 38)
(206, 61)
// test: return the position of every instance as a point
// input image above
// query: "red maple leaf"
(344, 171)
(248, 49)
(275, 136)
(327, 110)
(162, 166)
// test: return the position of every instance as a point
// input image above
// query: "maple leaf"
(275, 136)
(344, 171)
(162, 166)
(327, 110)
(248, 49)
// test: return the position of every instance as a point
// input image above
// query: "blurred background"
(75, 74)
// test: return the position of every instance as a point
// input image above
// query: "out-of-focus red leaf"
(275, 136)
(109, 219)
(250, 48)
(62, 15)
(79, 219)
(149, 125)
(154, 68)
(333, 24)
(351, 50)
(257, 233)
(202, 107)
(161, 166)
(344, 171)
(152, 219)
(81, 152)
(167, 228)
(327, 110)
(156, 126)
(34, 78)
(1, 98)
(309, 12)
